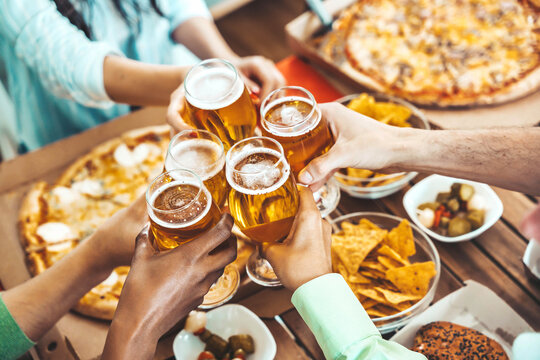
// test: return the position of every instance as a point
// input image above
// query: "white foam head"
(292, 121)
(203, 157)
(260, 177)
(183, 207)
(213, 88)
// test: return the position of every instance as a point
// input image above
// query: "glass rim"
(214, 138)
(203, 63)
(198, 179)
(281, 159)
(266, 100)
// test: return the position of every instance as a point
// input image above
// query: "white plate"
(427, 190)
(472, 306)
(226, 321)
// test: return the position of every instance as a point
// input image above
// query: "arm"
(164, 287)
(39, 303)
(502, 157)
(340, 324)
(71, 66)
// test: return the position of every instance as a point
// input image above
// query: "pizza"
(55, 218)
(439, 52)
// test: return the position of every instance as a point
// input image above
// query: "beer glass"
(291, 116)
(180, 208)
(218, 101)
(263, 199)
(201, 152)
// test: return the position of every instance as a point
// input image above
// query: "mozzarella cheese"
(54, 232)
(60, 247)
(64, 195)
(93, 188)
(128, 158)
(111, 280)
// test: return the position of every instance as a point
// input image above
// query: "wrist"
(99, 257)
(129, 338)
(408, 146)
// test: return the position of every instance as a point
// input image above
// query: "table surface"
(493, 259)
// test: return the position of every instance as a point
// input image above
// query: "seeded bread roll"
(442, 340)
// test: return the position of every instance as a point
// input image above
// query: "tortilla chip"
(368, 303)
(359, 173)
(352, 250)
(388, 262)
(356, 278)
(412, 279)
(373, 265)
(373, 274)
(391, 253)
(401, 239)
(372, 294)
(397, 297)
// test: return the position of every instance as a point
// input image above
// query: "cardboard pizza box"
(522, 112)
(76, 336)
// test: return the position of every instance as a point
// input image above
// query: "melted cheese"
(142, 152)
(54, 232)
(90, 187)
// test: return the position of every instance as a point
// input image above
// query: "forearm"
(507, 158)
(136, 83)
(201, 36)
(129, 339)
(40, 302)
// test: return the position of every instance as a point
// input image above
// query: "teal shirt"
(13, 342)
(54, 73)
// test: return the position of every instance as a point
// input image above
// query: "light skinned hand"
(259, 74)
(360, 142)
(163, 287)
(114, 246)
(305, 254)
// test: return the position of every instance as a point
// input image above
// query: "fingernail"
(305, 177)
(255, 89)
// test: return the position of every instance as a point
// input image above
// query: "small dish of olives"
(452, 210)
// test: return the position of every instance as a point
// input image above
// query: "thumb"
(322, 167)
(143, 245)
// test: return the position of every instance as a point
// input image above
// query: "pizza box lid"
(521, 112)
(473, 306)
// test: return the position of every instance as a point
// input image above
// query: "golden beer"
(291, 116)
(218, 101)
(201, 152)
(180, 208)
(263, 199)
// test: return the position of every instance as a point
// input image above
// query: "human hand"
(113, 242)
(164, 287)
(305, 254)
(260, 74)
(175, 109)
(361, 142)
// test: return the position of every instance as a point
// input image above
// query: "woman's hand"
(113, 241)
(305, 254)
(361, 142)
(260, 74)
(162, 288)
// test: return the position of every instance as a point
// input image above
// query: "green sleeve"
(13, 341)
(340, 324)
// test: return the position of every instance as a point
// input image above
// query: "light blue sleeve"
(340, 324)
(178, 11)
(527, 346)
(66, 61)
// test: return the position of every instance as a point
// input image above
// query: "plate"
(472, 306)
(427, 190)
(226, 321)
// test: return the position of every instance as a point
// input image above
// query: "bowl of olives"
(452, 210)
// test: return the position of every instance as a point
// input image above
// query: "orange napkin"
(298, 73)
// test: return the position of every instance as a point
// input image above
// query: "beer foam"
(257, 178)
(169, 225)
(214, 89)
(292, 121)
(198, 155)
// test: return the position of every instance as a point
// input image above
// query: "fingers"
(143, 246)
(176, 107)
(225, 254)
(210, 240)
(265, 72)
(322, 167)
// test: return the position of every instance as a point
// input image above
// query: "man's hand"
(164, 287)
(113, 243)
(361, 142)
(305, 254)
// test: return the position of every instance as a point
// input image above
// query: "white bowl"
(226, 321)
(427, 190)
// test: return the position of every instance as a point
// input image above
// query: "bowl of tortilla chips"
(367, 184)
(390, 264)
